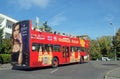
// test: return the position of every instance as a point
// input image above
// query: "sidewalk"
(5, 66)
(113, 74)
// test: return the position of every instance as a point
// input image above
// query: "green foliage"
(95, 56)
(5, 49)
(5, 46)
(95, 50)
(105, 44)
(44, 27)
(5, 58)
(101, 47)
(110, 55)
(1, 35)
(47, 28)
(117, 37)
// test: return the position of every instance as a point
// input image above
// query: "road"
(91, 70)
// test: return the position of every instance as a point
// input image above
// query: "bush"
(5, 46)
(95, 56)
(5, 58)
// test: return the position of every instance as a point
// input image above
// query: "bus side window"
(41, 48)
(33, 48)
(82, 49)
(78, 49)
(65, 51)
(48, 48)
(72, 49)
(36, 47)
(56, 48)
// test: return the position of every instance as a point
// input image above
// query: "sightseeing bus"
(33, 48)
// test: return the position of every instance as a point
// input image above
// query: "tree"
(6, 46)
(1, 35)
(117, 38)
(101, 47)
(46, 28)
(95, 50)
(5, 49)
(105, 43)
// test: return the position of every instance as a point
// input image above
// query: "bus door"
(74, 54)
(65, 54)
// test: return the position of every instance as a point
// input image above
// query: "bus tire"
(81, 60)
(55, 62)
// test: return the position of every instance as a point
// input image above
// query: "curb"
(5, 66)
(106, 75)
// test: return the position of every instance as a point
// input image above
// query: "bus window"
(40, 48)
(86, 50)
(78, 49)
(33, 48)
(56, 48)
(65, 51)
(36, 47)
(73, 49)
(48, 47)
(82, 49)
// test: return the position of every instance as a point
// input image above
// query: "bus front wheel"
(55, 62)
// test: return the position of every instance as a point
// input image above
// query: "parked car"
(105, 59)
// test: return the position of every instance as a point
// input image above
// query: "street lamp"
(114, 40)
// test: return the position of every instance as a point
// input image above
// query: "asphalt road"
(91, 70)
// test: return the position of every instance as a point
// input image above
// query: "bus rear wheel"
(55, 62)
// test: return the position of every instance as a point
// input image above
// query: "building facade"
(6, 24)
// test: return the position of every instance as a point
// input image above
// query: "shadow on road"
(42, 68)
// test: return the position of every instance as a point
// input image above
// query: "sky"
(76, 17)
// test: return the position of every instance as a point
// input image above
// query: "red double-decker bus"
(34, 48)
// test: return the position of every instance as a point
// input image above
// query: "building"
(6, 23)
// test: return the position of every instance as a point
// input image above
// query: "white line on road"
(107, 74)
(53, 71)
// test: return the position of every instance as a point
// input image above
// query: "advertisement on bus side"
(20, 43)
